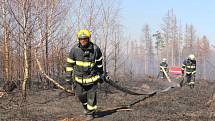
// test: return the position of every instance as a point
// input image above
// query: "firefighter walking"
(84, 64)
(189, 70)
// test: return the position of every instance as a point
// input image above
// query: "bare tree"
(131, 70)
(202, 55)
(5, 43)
(189, 40)
(171, 37)
(118, 54)
(148, 50)
(109, 15)
(166, 34)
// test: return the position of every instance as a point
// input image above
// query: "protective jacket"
(164, 65)
(85, 63)
(189, 66)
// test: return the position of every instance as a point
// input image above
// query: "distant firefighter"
(163, 65)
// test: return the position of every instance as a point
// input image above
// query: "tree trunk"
(26, 66)
(25, 70)
(5, 44)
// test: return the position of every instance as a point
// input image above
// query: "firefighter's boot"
(89, 117)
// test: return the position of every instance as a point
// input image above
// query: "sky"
(199, 13)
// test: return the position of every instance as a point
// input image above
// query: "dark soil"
(177, 104)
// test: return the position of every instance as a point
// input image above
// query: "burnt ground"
(177, 104)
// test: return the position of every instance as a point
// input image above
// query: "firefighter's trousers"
(87, 96)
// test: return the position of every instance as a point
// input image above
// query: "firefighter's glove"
(69, 80)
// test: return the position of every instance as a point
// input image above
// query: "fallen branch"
(49, 78)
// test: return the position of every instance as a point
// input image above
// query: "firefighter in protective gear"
(189, 69)
(85, 65)
(164, 65)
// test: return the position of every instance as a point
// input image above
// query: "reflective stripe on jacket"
(164, 65)
(189, 66)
